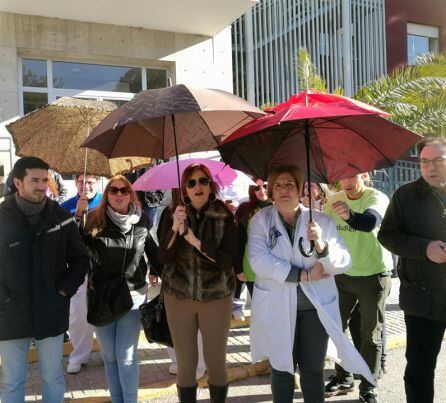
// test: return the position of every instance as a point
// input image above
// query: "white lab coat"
(274, 303)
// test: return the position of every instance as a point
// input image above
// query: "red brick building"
(414, 27)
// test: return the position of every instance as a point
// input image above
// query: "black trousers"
(355, 331)
(309, 351)
(424, 338)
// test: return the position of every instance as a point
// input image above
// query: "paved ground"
(156, 385)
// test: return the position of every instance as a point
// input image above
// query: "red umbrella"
(331, 137)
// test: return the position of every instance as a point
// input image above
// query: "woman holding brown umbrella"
(198, 280)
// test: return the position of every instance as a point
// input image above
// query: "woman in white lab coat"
(295, 303)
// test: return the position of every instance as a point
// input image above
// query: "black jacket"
(107, 248)
(413, 219)
(34, 265)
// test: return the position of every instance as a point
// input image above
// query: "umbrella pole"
(180, 201)
(84, 213)
(309, 252)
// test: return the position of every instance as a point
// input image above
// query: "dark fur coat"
(189, 274)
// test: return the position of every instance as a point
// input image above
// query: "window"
(33, 101)
(34, 73)
(84, 76)
(44, 81)
(421, 39)
(156, 78)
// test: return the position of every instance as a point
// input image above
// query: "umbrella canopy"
(164, 176)
(198, 119)
(55, 133)
(331, 137)
(345, 137)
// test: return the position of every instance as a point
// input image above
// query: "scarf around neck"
(125, 221)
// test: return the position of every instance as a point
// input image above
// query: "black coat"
(35, 263)
(413, 219)
(107, 248)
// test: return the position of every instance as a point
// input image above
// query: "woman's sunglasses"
(191, 183)
(114, 190)
(258, 187)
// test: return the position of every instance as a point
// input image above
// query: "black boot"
(218, 393)
(188, 394)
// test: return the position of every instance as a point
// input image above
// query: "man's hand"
(341, 209)
(82, 205)
(242, 277)
(436, 251)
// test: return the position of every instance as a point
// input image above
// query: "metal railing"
(389, 179)
(345, 38)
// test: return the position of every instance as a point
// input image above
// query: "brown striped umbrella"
(56, 132)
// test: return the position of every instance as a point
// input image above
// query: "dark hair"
(23, 164)
(427, 141)
(76, 177)
(293, 170)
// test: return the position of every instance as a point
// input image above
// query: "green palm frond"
(307, 75)
(405, 82)
(432, 58)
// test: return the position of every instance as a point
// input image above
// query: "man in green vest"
(358, 211)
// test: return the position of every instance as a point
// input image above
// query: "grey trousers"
(309, 350)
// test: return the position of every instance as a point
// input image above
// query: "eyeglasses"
(436, 162)
(191, 183)
(258, 187)
(114, 190)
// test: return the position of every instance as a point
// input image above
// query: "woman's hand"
(153, 280)
(179, 216)
(190, 236)
(314, 233)
(316, 273)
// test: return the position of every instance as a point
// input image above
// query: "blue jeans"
(14, 354)
(119, 343)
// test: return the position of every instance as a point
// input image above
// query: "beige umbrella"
(55, 133)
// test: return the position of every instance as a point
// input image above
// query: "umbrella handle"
(306, 253)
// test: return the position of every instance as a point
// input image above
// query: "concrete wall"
(191, 59)
(399, 13)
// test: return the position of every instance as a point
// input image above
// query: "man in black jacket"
(43, 262)
(414, 228)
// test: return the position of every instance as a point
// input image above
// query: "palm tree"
(415, 96)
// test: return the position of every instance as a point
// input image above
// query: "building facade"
(413, 28)
(345, 38)
(52, 49)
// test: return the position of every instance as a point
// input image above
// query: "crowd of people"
(58, 259)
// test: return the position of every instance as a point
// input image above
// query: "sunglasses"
(191, 183)
(258, 187)
(114, 190)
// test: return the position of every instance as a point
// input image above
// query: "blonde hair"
(293, 170)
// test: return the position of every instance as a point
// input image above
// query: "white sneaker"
(200, 373)
(238, 315)
(74, 368)
(173, 369)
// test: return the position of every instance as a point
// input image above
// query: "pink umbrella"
(164, 176)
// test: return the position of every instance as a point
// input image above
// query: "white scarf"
(125, 221)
